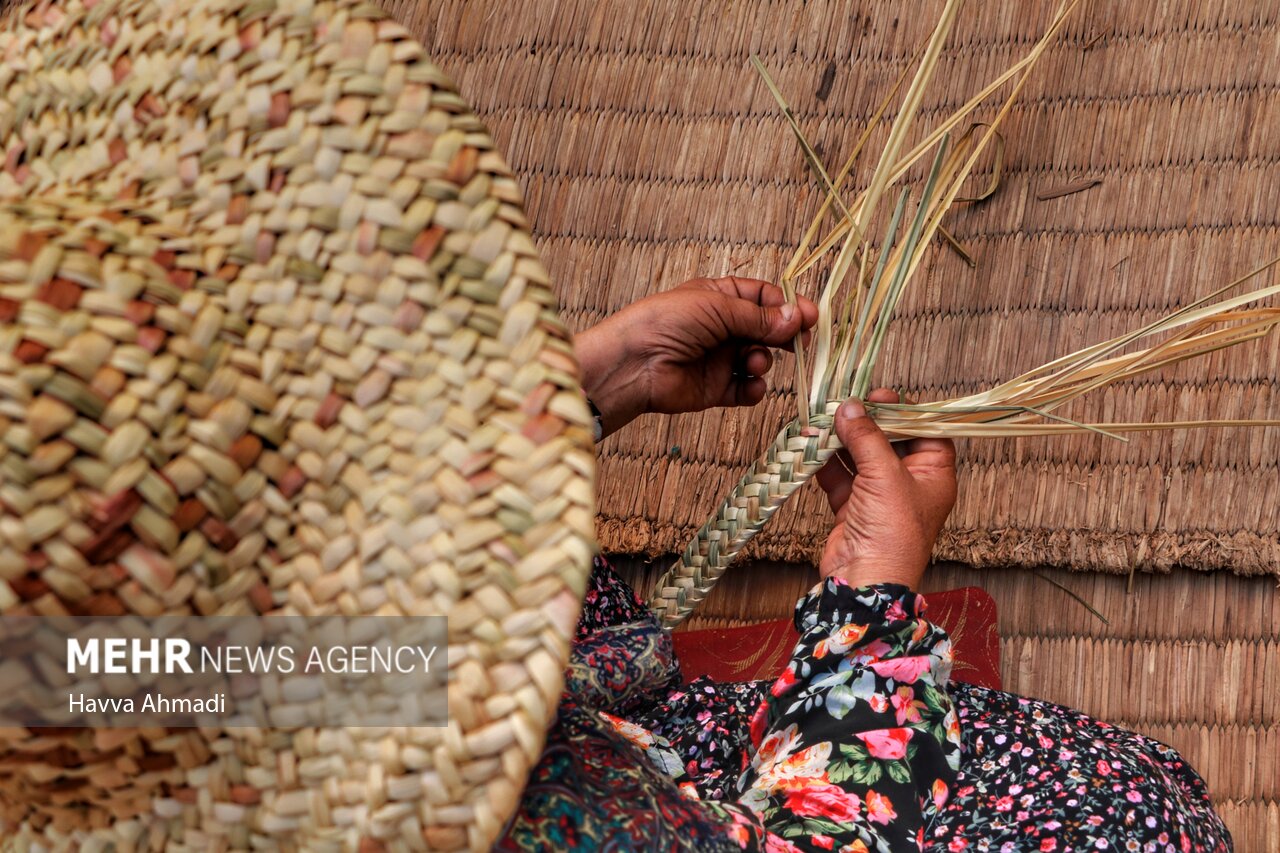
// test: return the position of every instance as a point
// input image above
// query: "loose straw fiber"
(651, 152)
(273, 334)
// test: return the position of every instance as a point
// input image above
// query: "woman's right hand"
(890, 503)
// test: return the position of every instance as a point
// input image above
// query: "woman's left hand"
(890, 502)
(703, 344)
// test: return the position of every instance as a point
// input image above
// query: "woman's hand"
(703, 344)
(890, 503)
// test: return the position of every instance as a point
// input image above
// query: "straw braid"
(274, 335)
(794, 456)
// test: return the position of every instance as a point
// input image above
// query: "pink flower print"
(907, 706)
(940, 793)
(886, 743)
(873, 651)
(787, 772)
(904, 670)
(776, 844)
(784, 682)
(953, 727)
(826, 801)
(739, 834)
(879, 809)
(758, 721)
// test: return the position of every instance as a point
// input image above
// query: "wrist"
(609, 378)
(876, 573)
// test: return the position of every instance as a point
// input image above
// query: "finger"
(756, 361)
(774, 324)
(745, 392)
(888, 395)
(836, 479)
(866, 443)
(768, 296)
(931, 462)
(772, 295)
(929, 446)
(754, 290)
(808, 311)
(760, 292)
(806, 337)
(883, 395)
(743, 319)
(924, 455)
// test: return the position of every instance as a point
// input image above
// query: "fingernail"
(787, 312)
(852, 409)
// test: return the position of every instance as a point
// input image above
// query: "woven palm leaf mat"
(651, 153)
(1191, 659)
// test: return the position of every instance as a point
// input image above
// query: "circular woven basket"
(273, 334)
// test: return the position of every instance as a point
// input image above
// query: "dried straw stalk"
(862, 289)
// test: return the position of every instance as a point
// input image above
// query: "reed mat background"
(650, 153)
(1189, 658)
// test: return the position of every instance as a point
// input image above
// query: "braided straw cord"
(274, 337)
(793, 457)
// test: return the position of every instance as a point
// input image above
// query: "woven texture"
(796, 455)
(274, 335)
(651, 153)
(1189, 658)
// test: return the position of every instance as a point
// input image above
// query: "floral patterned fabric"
(861, 745)
(708, 728)
(857, 741)
(1038, 776)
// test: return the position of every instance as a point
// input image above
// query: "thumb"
(873, 455)
(772, 325)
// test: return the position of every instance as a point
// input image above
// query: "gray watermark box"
(275, 671)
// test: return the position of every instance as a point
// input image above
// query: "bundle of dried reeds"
(864, 282)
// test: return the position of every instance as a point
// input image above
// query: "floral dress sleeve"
(857, 744)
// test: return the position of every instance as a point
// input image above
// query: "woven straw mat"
(1142, 171)
(273, 334)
